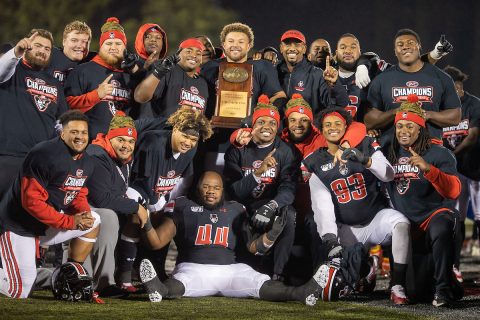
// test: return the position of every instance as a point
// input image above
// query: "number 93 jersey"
(354, 189)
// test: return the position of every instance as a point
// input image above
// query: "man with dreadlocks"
(425, 184)
(347, 202)
(262, 176)
(162, 170)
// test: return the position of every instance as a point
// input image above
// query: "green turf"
(42, 306)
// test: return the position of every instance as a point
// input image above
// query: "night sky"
(374, 23)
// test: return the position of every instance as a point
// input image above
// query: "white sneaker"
(153, 285)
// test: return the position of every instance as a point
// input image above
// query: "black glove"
(264, 214)
(355, 155)
(129, 61)
(445, 47)
(278, 224)
(161, 67)
(333, 248)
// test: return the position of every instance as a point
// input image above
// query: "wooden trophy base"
(225, 122)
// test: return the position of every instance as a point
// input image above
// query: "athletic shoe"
(128, 287)
(458, 275)
(398, 296)
(155, 288)
(440, 300)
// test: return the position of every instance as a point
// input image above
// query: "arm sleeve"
(322, 206)
(381, 168)
(100, 195)
(183, 186)
(142, 171)
(34, 201)
(8, 63)
(288, 180)
(447, 185)
(355, 133)
(238, 186)
(75, 94)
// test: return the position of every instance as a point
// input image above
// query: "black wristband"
(148, 225)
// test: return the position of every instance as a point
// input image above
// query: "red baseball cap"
(293, 34)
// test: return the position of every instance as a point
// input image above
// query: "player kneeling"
(347, 202)
(205, 230)
(48, 202)
(425, 184)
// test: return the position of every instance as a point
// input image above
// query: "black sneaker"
(440, 300)
(154, 287)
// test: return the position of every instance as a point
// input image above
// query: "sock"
(126, 253)
(277, 291)
(399, 274)
(176, 289)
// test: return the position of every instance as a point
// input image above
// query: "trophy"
(234, 94)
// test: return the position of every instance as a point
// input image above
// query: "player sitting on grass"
(205, 230)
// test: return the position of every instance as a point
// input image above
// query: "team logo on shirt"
(268, 177)
(42, 93)
(455, 134)
(343, 169)
(192, 98)
(404, 172)
(213, 217)
(300, 86)
(72, 186)
(119, 97)
(400, 94)
(166, 184)
(59, 75)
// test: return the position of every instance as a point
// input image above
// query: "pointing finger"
(33, 36)
(271, 153)
(442, 38)
(327, 63)
(412, 152)
(108, 78)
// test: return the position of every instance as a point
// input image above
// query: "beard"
(36, 61)
(349, 66)
(111, 60)
(199, 199)
(300, 139)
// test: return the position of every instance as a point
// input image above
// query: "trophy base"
(225, 122)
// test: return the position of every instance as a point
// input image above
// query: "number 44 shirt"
(354, 189)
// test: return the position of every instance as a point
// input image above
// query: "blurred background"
(374, 22)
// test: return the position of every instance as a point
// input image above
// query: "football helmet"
(71, 282)
(330, 278)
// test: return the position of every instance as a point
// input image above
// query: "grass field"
(43, 306)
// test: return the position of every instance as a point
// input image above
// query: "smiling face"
(190, 59)
(76, 45)
(406, 132)
(267, 129)
(75, 135)
(299, 126)
(236, 46)
(182, 142)
(333, 129)
(293, 50)
(407, 50)
(209, 52)
(39, 56)
(348, 53)
(123, 147)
